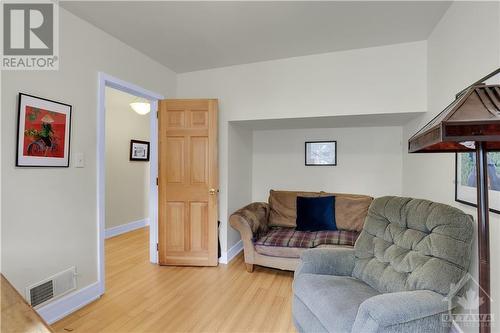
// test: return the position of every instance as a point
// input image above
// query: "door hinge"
(156, 114)
(157, 248)
(156, 181)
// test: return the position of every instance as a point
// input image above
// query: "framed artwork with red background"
(43, 132)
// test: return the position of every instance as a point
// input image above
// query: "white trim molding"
(223, 258)
(104, 80)
(227, 257)
(127, 227)
(153, 190)
(65, 305)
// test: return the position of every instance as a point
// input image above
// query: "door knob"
(212, 191)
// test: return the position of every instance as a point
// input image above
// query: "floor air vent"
(52, 287)
(42, 293)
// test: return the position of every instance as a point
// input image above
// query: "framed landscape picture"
(321, 153)
(465, 179)
(43, 132)
(139, 150)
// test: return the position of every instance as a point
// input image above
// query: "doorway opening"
(127, 164)
(113, 96)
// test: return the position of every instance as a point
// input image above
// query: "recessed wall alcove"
(269, 154)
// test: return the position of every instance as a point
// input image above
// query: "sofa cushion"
(334, 300)
(288, 242)
(350, 210)
(315, 214)
(283, 207)
(412, 244)
(304, 320)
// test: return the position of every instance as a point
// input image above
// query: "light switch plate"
(79, 160)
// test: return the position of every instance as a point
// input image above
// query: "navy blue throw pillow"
(316, 213)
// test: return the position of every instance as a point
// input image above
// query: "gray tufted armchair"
(395, 279)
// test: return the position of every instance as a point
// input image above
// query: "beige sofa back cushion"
(283, 207)
(350, 209)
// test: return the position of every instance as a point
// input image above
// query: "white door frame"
(105, 80)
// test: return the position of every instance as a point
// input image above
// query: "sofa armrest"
(253, 218)
(251, 221)
(335, 261)
(390, 309)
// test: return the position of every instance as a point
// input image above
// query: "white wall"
(49, 214)
(463, 47)
(362, 81)
(239, 172)
(127, 182)
(369, 161)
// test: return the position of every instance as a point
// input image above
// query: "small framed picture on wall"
(321, 153)
(43, 132)
(139, 150)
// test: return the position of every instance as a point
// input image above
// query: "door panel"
(188, 182)
(198, 226)
(199, 119)
(175, 160)
(174, 230)
(176, 119)
(199, 160)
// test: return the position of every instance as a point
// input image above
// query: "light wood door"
(188, 182)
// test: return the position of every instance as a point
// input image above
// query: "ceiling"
(189, 36)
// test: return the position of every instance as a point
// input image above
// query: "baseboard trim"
(227, 257)
(65, 305)
(223, 258)
(121, 229)
(234, 251)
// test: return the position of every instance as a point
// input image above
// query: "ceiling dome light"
(141, 108)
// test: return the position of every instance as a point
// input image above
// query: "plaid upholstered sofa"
(268, 229)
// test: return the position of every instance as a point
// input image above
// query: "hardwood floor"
(16, 315)
(142, 297)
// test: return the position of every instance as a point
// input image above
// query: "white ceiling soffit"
(189, 36)
(368, 120)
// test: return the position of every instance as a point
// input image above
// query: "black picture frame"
(463, 201)
(23, 161)
(139, 142)
(308, 143)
